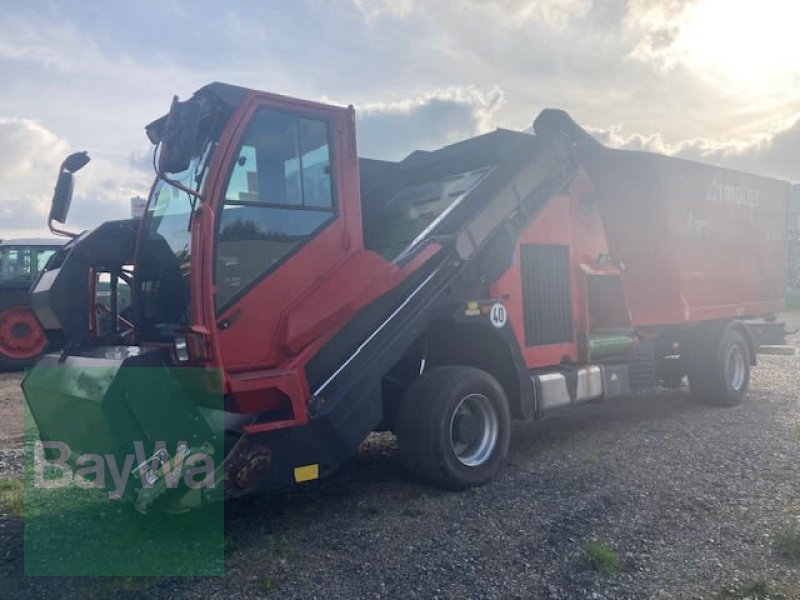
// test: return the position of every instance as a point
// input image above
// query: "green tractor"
(22, 339)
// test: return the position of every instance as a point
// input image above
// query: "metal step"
(562, 387)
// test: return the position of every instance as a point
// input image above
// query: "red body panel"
(283, 320)
(564, 221)
(698, 242)
(253, 339)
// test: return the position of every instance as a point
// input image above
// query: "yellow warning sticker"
(306, 473)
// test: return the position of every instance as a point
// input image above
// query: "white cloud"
(30, 156)
(556, 14)
(749, 46)
(421, 74)
(373, 9)
(482, 103)
(103, 190)
(652, 28)
(772, 153)
(426, 121)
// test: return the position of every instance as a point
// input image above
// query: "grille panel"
(546, 293)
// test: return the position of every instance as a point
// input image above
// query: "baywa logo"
(195, 469)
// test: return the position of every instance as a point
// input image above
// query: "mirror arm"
(181, 187)
(57, 231)
(176, 184)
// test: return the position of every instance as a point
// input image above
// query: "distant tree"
(248, 229)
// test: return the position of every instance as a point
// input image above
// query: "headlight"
(181, 349)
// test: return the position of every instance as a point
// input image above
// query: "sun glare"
(754, 44)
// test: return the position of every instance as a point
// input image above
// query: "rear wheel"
(454, 427)
(719, 369)
(22, 339)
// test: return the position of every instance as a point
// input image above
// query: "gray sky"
(715, 80)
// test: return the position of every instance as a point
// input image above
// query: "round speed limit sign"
(498, 315)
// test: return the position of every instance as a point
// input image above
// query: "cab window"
(22, 262)
(279, 195)
(42, 256)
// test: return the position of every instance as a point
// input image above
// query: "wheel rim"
(21, 337)
(474, 429)
(736, 367)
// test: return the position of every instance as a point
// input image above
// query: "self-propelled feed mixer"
(316, 297)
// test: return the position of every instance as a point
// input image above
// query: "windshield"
(22, 263)
(162, 269)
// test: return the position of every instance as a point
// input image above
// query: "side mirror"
(62, 196)
(180, 136)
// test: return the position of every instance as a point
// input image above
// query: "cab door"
(280, 227)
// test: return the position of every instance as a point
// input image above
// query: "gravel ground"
(11, 424)
(689, 499)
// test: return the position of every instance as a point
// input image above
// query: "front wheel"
(454, 427)
(719, 372)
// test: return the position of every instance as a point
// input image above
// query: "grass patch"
(106, 587)
(412, 510)
(364, 509)
(229, 546)
(599, 557)
(758, 590)
(281, 546)
(591, 458)
(266, 585)
(788, 542)
(12, 496)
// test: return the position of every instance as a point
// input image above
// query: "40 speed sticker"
(498, 315)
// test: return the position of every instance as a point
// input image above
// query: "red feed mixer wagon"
(439, 297)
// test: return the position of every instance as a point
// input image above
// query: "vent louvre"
(642, 371)
(546, 293)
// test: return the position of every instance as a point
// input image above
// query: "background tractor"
(22, 339)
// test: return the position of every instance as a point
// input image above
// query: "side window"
(42, 256)
(16, 263)
(279, 194)
(8, 263)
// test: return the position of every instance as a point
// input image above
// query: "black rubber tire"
(709, 373)
(425, 419)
